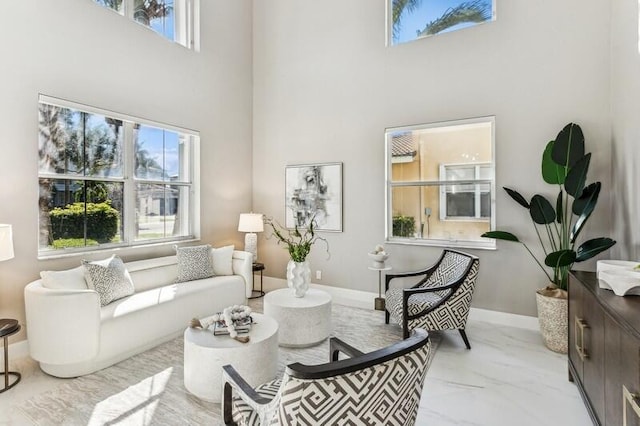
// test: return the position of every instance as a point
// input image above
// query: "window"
(410, 20)
(440, 183)
(175, 20)
(107, 179)
(469, 199)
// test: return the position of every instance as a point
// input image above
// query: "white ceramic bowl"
(620, 281)
(377, 257)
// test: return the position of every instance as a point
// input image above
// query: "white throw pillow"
(69, 279)
(109, 278)
(194, 263)
(223, 260)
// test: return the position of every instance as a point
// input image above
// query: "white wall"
(326, 87)
(625, 105)
(77, 50)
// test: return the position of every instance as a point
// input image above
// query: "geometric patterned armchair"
(382, 387)
(440, 300)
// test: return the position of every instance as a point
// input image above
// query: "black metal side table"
(258, 267)
(8, 327)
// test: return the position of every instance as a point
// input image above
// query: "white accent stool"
(205, 354)
(304, 321)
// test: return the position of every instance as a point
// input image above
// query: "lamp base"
(251, 244)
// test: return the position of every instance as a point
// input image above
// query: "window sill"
(66, 253)
(481, 245)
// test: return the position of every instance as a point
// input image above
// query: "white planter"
(553, 319)
(298, 277)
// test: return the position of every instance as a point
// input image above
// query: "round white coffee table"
(205, 354)
(304, 321)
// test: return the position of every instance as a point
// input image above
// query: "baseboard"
(365, 300)
(16, 350)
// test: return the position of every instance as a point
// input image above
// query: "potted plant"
(298, 243)
(565, 164)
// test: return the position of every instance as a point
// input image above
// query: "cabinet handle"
(632, 399)
(581, 324)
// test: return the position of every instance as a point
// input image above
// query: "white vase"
(298, 277)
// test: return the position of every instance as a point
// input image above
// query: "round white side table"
(205, 354)
(304, 321)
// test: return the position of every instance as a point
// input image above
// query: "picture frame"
(314, 191)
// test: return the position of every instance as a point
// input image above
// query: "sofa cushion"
(170, 293)
(69, 279)
(194, 263)
(151, 273)
(222, 260)
(109, 278)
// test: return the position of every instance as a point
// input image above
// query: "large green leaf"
(583, 207)
(552, 172)
(577, 176)
(560, 258)
(541, 210)
(559, 207)
(590, 248)
(569, 146)
(501, 235)
(516, 196)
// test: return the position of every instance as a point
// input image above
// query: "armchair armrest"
(63, 326)
(232, 380)
(426, 272)
(242, 263)
(336, 346)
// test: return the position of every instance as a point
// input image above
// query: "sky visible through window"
(414, 22)
(163, 147)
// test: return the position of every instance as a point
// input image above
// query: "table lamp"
(251, 223)
(6, 242)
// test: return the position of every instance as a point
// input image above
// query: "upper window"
(173, 19)
(107, 179)
(410, 20)
(440, 183)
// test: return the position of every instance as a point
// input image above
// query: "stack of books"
(242, 326)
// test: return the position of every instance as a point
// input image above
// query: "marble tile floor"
(507, 378)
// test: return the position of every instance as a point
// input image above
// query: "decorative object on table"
(378, 256)
(620, 276)
(382, 386)
(251, 223)
(298, 243)
(564, 163)
(314, 192)
(232, 321)
(440, 300)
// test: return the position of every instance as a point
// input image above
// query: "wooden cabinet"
(604, 350)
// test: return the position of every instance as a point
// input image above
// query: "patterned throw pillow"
(109, 278)
(194, 263)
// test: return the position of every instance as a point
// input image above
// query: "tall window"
(409, 20)
(175, 20)
(440, 183)
(107, 179)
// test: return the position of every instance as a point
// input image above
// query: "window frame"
(186, 21)
(130, 181)
(389, 25)
(476, 182)
(488, 244)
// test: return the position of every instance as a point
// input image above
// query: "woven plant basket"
(553, 318)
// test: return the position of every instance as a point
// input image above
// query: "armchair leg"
(464, 337)
(386, 317)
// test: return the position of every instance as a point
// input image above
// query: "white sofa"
(71, 335)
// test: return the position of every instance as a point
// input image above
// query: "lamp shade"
(6, 242)
(251, 222)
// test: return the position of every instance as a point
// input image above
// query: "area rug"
(148, 389)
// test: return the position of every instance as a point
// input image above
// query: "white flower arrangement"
(227, 317)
